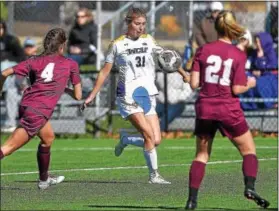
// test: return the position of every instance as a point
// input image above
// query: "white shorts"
(128, 106)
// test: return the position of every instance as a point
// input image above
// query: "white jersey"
(135, 61)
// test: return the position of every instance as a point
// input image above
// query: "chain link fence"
(172, 28)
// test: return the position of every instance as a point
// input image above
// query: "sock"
(196, 175)
(43, 157)
(1, 155)
(135, 140)
(151, 159)
(250, 169)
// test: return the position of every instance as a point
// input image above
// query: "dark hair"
(134, 13)
(3, 23)
(53, 40)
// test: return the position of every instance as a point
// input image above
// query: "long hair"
(227, 26)
(53, 40)
(134, 13)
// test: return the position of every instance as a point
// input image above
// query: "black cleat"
(252, 195)
(191, 205)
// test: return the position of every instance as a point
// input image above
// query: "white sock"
(151, 159)
(135, 140)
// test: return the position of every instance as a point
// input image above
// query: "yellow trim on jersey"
(144, 35)
(122, 37)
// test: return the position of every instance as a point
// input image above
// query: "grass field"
(97, 180)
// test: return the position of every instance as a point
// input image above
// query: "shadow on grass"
(135, 207)
(86, 181)
(13, 188)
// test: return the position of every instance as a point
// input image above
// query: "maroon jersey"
(49, 77)
(221, 65)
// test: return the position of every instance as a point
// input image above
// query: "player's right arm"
(102, 76)
(4, 74)
(240, 82)
(22, 69)
(195, 72)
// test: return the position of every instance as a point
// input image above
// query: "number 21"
(212, 70)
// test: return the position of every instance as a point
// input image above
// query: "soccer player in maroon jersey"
(49, 74)
(219, 71)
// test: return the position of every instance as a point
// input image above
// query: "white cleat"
(156, 178)
(120, 146)
(51, 180)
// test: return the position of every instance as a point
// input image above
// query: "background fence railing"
(171, 24)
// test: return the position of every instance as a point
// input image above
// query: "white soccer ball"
(169, 60)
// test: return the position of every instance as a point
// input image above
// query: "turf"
(87, 187)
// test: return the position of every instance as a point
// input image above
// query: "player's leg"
(153, 122)
(237, 130)
(17, 139)
(205, 131)
(246, 146)
(47, 137)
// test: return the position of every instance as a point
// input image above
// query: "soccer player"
(132, 54)
(49, 74)
(219, 71)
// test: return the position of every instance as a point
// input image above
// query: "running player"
(219, 70)
(49, 75)
(132, 54)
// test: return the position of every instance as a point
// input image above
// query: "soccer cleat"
(191, 205)
(156, 178)
(51, 180)
(252, 195)
(120, 146)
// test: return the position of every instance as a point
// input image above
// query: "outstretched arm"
(99, 83)
(4, 74)
(185, 75)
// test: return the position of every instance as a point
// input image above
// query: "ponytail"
(227, 26)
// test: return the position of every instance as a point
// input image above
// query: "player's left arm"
(75, 93)
(185, 75)
(4, 74)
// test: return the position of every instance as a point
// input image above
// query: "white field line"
(132, 167)
(132, 148)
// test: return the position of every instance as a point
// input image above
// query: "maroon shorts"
(31, 120)
(228, 118)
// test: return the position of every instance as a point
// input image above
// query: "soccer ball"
(169, 60)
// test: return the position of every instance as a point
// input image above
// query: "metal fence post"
(10, 21)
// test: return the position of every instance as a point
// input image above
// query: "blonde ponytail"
(227, 26)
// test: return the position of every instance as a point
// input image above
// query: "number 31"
(212, 70)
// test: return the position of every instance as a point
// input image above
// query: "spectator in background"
(82, 44)
(178, 94)
(11, 53)
(205, 32)
(29, 47)
(271, 24)
(263, 61)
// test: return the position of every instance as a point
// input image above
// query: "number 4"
(47, 73)
(212, 70)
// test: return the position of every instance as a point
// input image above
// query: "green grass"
(127, 189)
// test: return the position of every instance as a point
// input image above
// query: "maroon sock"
(196, 174)
(43, 157)
(250, 169)
(1, 154)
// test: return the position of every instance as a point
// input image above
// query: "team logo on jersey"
(144, 43)
(137, 50)
(126, 44)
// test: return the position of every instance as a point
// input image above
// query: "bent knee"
(47, 140)
(158, 141)
(202, 157)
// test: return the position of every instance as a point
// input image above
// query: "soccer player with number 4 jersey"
(219, 71)
(49, 75)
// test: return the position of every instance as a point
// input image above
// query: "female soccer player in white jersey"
(132, 54)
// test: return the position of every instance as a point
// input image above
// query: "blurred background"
(183, 26)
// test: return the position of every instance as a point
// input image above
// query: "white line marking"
(133, 148)
(131, 167)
